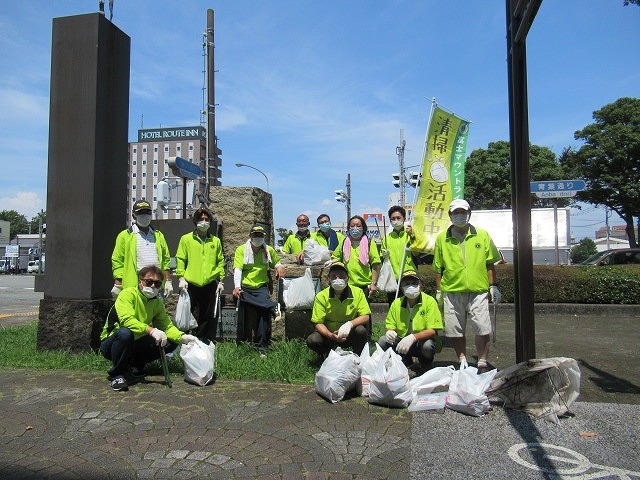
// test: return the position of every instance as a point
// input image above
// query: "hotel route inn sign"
(557, 188)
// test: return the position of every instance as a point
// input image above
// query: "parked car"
(33, 266)
(621, 256)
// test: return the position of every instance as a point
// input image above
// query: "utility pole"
(345, 197)
(348, 197)
(400, 153)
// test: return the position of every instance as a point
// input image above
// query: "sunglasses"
(155, 283)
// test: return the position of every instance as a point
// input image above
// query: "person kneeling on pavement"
(413, 323)
(340, 314)
(136, 327)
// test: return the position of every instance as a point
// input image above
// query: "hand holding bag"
(184, 319)
(314, 253)
(387, 280)
(300, 292)
(199, 361)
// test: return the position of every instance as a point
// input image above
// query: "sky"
(310, 91)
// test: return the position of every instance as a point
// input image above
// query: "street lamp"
(265, 176)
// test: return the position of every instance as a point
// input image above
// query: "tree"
(583, 250)
(18, 222)
(488, 176)
(283, 233)
(609, 161)
(35, 221)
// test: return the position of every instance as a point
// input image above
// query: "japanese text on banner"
(442, 175)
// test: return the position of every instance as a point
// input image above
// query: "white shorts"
(458, 306)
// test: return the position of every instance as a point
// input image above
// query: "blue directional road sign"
(184, 168)
(557, 188)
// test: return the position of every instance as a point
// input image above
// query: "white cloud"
(28, 204)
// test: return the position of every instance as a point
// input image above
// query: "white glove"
(384, 252)
(159, 336)
(186, 338)
(168, 288)
(115, 291)
(405, 344)
(329, 262)
(439, 298)
(182, 284)
(496, 296)
(220, 287)
(390, 336)
(343, 331)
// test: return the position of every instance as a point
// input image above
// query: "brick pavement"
(71, 425)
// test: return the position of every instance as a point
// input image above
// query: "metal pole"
(211, 100)
(403, 178)
(348, 198)
(517, 27)
(555, 225)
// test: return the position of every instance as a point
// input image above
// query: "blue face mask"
(355, 233)
(325, 227)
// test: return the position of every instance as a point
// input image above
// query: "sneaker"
(119, 384)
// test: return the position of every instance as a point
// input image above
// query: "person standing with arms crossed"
(464, 261)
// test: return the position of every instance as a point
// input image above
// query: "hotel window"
(134, 174)
(155, 174)
(135, 149)
(155, 149)
(166, 148)
(144, 149)
(155, 162)
(135, 162)
(144, 174)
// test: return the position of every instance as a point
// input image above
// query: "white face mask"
(150, 292)
(143, 219)
(303, 230)
(325, 227)
(397, 224)
(338, 284)
(460, 219)
(203, 226)
(411, 291)
(257, 241)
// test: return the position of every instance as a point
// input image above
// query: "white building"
(149, 164)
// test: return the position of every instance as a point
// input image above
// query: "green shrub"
(616, 284)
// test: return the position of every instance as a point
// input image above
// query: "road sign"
(12, 251)
(557, 188)
(184, 168)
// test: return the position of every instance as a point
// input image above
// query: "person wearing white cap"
(464, 261)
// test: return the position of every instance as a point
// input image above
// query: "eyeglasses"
(155, 283)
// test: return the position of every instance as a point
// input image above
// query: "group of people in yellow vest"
(463, 260)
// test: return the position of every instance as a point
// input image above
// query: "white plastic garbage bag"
(337, 375)
(390, 382)
(314, 253)
(184, 319)
(428, 381)
(386, 279)
(199, 361)
(299, 293)
(467, 390)
(368, 363)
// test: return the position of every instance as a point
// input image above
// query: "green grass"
(288, 361)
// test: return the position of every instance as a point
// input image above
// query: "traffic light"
(396, 180)
(414, 179)
(341, 196)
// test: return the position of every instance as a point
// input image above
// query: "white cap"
(459, 203)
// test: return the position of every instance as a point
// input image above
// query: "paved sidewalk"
(71, 425)
(66, 425)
